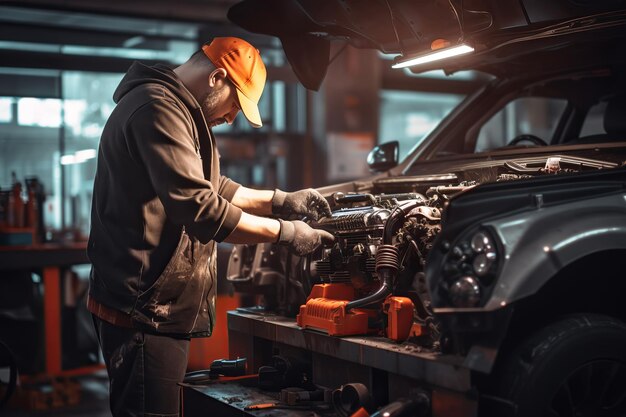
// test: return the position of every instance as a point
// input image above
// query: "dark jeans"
(144, 370)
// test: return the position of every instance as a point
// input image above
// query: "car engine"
(376, 263)
(380, 249)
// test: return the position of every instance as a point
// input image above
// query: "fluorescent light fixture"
(84, 155)
(68, 160)
(78, 157)
(435, 56)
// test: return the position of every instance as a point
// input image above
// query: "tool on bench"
(219, 367)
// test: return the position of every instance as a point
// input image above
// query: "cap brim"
(249, 109)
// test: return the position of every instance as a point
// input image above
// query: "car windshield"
(510, 116)
(410, 116)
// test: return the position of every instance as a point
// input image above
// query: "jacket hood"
(139, 74)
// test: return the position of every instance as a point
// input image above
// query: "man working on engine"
(159, 206)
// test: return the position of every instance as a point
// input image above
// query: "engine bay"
(371, 280)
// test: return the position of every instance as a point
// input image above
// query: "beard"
(208, 105)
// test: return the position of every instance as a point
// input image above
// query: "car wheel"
(575, 367)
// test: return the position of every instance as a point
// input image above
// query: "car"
(509, 240)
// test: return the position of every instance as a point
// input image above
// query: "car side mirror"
(384, 156)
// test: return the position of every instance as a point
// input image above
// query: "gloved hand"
(301, 238)
(306, 202)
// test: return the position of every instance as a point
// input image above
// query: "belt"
(108, 314)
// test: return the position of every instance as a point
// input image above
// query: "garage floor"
(94, 401)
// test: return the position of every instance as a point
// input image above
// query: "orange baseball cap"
(245, 70)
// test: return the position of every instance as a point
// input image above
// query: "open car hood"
(503, 32)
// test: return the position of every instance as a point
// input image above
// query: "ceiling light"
(78, 157)
(434, 56)
(84, 155)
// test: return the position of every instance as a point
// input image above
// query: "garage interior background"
(60, 62)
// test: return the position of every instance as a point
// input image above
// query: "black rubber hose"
(387, 265)
(396, 215)
(387, 259)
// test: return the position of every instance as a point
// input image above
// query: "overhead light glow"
(84, 155)
(68, 160)
(78, 157)
(435, 56)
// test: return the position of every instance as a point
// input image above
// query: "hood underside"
(500, 31)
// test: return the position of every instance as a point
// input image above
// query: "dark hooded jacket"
(159, 205)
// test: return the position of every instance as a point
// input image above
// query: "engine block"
(359, 231)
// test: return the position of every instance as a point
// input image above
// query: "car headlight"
(465, 292)
(469, 269)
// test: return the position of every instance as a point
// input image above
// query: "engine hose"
(387, 265)
(387, 259)
(397, 215)
(447, 189)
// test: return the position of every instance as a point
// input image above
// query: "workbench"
(51, 259)
(232, 399)
(390, 370)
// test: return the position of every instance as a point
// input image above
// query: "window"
(536, 116)
(38, 112)
(6, 109)
(594, 122)
(408, 116)
(56, 140)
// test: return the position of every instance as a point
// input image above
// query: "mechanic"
(159, 206)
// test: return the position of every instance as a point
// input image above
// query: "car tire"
(574, 367)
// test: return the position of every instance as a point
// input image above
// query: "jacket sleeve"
(228, 188)
(164, 141)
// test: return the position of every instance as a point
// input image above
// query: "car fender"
(539, 243)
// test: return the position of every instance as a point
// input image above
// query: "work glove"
(300, 238)
(306, 202)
